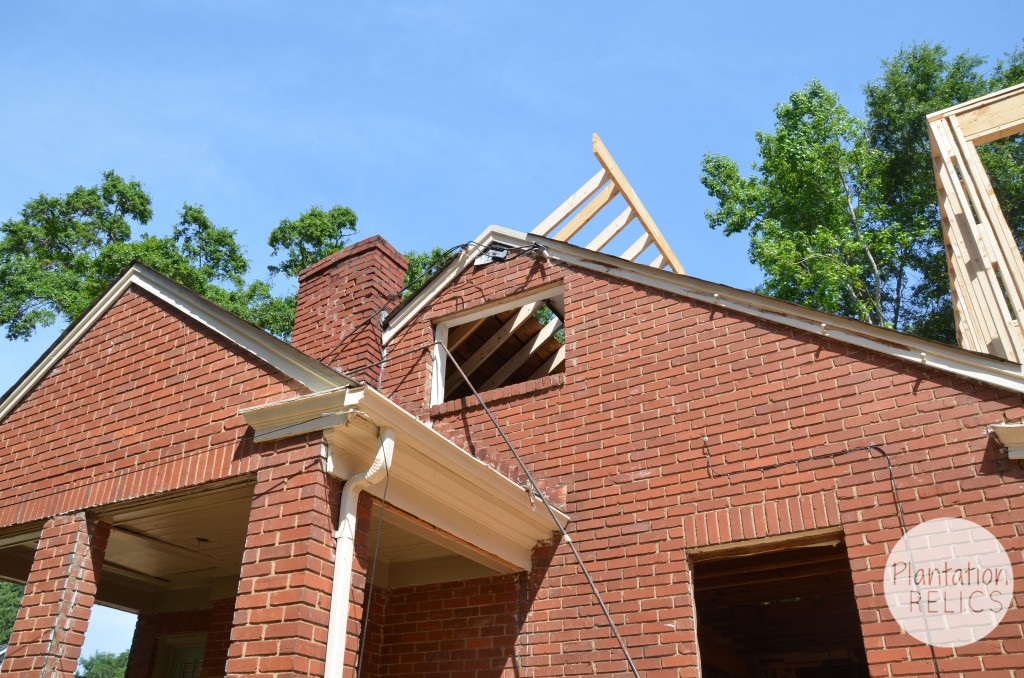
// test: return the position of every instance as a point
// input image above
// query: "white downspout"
(337, 630)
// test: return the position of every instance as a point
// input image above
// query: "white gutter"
(345, 550)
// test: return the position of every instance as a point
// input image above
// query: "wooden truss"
(584, 205)
(986, 272)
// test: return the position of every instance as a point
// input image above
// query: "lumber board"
(985, 267)
(522, 355)
(589, 188)
(589, 211)
(633, 200)
(638, 247)
(996, 120)
(550, 365)
(611, 230)
(494, 343)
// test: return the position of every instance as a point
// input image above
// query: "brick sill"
(499, 394)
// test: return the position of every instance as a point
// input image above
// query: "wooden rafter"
(523, 354)
(986, 272)
(589, 201)
(493, 343)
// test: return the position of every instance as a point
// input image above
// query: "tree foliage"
(104, 665)
(842, 210)
(422, 265)
(10, 602)
(61, 252)
(311, 237)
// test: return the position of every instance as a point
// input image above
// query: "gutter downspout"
(337, 630)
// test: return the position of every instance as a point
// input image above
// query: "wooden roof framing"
(986, 272)
(585, 204)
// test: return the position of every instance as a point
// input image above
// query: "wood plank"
(589, 211)
(522, 355)
(493, 344)
(995, 120)
(612, 230)
(464, 332)
(440, 365)
(986, 308)
(1007, 256)
(552, 221)
(638, 247)
(633, 200)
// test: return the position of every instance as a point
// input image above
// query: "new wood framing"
(592, 198)
(986, 273)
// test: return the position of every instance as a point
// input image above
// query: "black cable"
(551, 511)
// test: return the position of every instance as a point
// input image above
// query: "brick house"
(720, 460)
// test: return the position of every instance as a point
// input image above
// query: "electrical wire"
(535, 488)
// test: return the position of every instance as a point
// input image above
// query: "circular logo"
(948, 582)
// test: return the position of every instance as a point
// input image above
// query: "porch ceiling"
(170, 551)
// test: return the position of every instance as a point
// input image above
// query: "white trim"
(967, 364)
(431, 477)
(440, 362)
(1011, 436)
(309, 372)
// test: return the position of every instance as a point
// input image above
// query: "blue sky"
(431, 120)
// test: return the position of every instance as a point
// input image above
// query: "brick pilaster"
(59, 595)
(283, 604)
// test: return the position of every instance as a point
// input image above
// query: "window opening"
(785, 610)
(502, 344)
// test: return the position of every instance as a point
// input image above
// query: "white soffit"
(976, 366)
(279, 354)
(1012, 438)
(430, 477)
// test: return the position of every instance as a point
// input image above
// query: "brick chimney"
(337, 297)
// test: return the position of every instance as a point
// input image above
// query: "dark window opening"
(783, 613)
(511, 346)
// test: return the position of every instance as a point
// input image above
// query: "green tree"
(311, 237)
(10, 602)
(842, 211)
(61, 252)
(104, 665)
(423, 265)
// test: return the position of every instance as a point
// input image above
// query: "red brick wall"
(338, 297)
(282, 608)
(465, 629)
(647, 376)
(61, 589)
(146, 401)
(218, 639)
(150, 628)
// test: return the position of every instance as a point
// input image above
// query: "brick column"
(284, 593)
(61, 589)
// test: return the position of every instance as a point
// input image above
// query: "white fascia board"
(309, 372)
(1012, 438)
(1000, 373)
(430, 477)
(448, 274)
